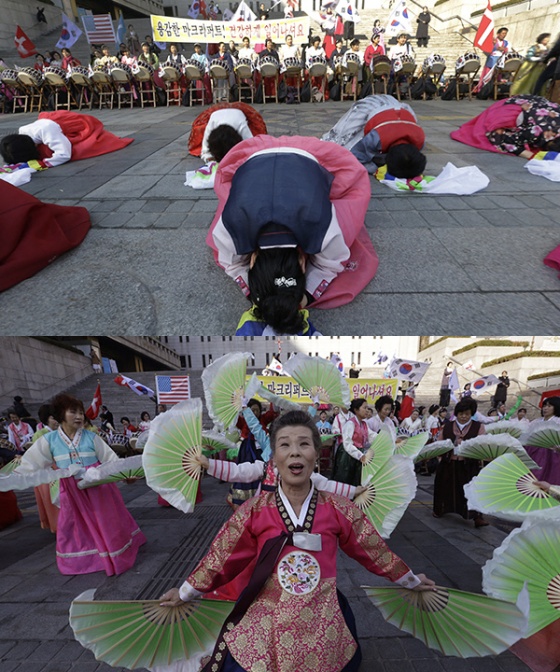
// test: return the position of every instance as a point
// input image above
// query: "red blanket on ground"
(86, 133)
(34, 233)
(350, 194)
(498, 115)
(254, 120)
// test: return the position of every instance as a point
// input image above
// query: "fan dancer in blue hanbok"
(95, 531)
(249, 451)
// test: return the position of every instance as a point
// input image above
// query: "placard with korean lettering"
(174, 29)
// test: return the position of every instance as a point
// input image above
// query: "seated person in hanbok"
(522, 125)
(199, 56)
(54, 139)
(269, 50)
(293, 534)
(105, 60)
(376, 125)
(402, 48)
(224, 55)
(337, 53)
(175, 58)
(20, 434)
(283, 249)
(245, 51)
(69, 61)
(95, 531)
(374, 49)
(148, 56)
(314, 51)
(289, 50)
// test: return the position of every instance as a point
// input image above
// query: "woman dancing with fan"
(95, 530)
(291, 605)
(384, 407)
(453, 471)
(249, 472)
(356, 439)
(542, 445)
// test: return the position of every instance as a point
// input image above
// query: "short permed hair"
(65, 402)
(386, 399)
(295, 419)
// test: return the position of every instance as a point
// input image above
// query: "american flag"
(172, 389)
(99, 28)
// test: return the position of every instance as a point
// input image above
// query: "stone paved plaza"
(447, 264)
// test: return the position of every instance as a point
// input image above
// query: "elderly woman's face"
(74, 418)
(385, 411)
(464, 416)
(295, 455)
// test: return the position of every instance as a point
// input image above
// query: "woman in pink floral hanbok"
(522, 125)
(291, 615)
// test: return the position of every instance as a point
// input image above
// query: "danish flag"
(93, 411)
(484, 38)
(24, 45)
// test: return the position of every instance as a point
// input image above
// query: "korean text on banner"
(173, 29)
(368, 388)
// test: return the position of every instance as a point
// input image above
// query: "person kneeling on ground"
(380, 130)
(282, 248)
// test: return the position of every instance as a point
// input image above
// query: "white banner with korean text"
(173, 29)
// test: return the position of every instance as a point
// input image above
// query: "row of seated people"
(169, 80)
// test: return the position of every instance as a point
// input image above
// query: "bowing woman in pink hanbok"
(95, 531)
(291, 615)
(290, 223)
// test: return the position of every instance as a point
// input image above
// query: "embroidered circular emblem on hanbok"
(299, 573)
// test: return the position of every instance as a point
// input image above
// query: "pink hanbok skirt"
(498, 115)
(95, 530)
(350, 194)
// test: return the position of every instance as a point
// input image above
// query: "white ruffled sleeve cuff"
(409, 580)
(188, 593)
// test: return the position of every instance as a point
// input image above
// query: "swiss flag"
(24, 45)
(484, 38)
(93, 411)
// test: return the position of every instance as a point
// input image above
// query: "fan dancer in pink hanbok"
(291, 616)
(95, 531)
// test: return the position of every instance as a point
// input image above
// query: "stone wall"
(525, 19)
(36, 369)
